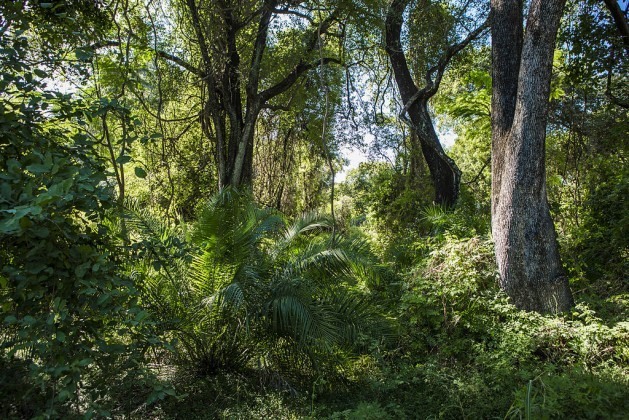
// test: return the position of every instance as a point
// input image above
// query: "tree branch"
(259, 47)
(162, 54)
(393, 47)
(290, 79)
(451, 51)
(294, 13)
(432, 85)
(620, 20)
(180, 62)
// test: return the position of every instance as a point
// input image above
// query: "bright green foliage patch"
(71, 331)
(465, 352)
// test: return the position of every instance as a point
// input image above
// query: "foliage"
(116, 269)
(465, 352)
(71, 326)
(375, 196)
(587, 174)
(465, 104)
(261, 291)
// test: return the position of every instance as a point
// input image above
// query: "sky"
(356, 156)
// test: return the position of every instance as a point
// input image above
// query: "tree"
(444, 172)
(527, 252)
(620, 19)
(235, 92)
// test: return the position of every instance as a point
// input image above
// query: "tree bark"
(527, 252)
(230, 113)
(445, 174)
(620, 20)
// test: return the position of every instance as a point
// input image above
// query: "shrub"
(261, 292)
(464, 351)
(70, 325)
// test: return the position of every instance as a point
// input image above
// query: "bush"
(70, 327)
(259, 292)
(464, 351)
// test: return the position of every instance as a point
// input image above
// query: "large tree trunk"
(526, 247)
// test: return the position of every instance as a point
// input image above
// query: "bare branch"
(294, 13)
(451, 51)
(290, 79)
(259, 47)
(162, 54)
(620, 20)
(301, 68)
(433, 81)
(180, 62)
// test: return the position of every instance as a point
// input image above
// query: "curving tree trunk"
(526, 247)
(620, 20)
(445, 174)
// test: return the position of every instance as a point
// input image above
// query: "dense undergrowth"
(461, 351)
(114, 305)
(256, 316)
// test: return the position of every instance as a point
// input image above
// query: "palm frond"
(252, 284)
(304, 319)
(312, 222)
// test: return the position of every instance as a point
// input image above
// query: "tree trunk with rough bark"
(527, 252)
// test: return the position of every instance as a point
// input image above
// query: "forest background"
(175, 240)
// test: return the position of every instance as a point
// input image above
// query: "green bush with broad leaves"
(464, 351)
(72, 334)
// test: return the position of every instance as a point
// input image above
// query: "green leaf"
(83, 54)
(123, 159)
(82, 269)
(140, 173)
(41, 231)
(103, 298)
(40, 73)
(17, 220)
(64, 394)
(39, 168)
(5, 191)
(141, 316)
